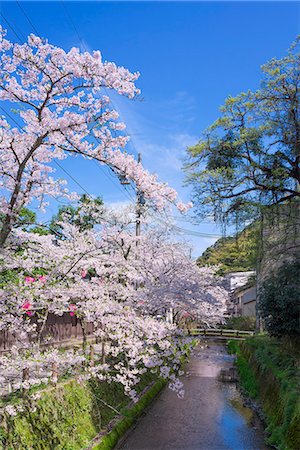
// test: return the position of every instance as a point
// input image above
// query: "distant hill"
(234, 254)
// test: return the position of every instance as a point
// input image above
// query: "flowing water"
(210, 417)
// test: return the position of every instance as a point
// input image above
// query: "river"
(210, 417)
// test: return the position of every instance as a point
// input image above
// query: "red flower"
(72, 309)
(26, 305)
(29, 280)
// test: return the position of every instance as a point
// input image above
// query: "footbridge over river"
(221, 333)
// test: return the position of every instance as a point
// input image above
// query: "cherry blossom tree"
(130, 342)
(62, 108)
(163, 270)
(168, 278)
(105, 279)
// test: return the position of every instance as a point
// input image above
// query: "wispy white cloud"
(161, 132)
(118, 205)
(171, 154)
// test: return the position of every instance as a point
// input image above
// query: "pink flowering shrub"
(72, 308)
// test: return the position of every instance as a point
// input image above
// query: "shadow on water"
(210, 417)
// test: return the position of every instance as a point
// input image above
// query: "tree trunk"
(41, 328)
(84, 337)
(103, 352)
(5, 230)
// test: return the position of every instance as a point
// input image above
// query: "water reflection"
(210, 417)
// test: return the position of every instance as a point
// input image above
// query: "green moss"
(248, 378)
(269, 371)
(66, 417)
(61, 420)
(111, 439)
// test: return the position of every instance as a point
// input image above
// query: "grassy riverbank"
(270, 373)
(75, 414)
(72, 414)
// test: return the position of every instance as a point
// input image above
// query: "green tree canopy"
(249, 158)
(279, 300)
(86, 215)
(25, 219)
(234, 254)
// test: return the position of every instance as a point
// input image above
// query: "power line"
(55, 162)
(69, 17)
(190, 220)
(12, 28)
(62, 168)
(187, 232)
(196, 233)
(111, 179)
(73, 24)
(85, 47)
(12, 118)
(27, 17)
(72, 178)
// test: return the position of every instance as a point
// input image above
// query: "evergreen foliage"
(248, 158)
(85, 215)
(234, 254)
(279, 300)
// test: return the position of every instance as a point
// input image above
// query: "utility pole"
(138, 208)
(138, 214)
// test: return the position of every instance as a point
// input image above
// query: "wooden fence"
(58, 329)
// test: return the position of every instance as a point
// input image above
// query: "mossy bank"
(270, 373)
(75, 415)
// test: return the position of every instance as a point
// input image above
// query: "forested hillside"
(233, 254)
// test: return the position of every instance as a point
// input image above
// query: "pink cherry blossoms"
(123, 300)
(117, 286)
(63, 109)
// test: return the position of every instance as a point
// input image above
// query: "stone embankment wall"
(269, 375)
(280, 240)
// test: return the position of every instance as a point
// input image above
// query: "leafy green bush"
(241, 323)
(279, 303)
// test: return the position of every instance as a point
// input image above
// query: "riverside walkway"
(210, 417)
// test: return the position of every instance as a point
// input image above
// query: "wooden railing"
(221, 332)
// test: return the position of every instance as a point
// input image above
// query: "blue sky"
(191, 56)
